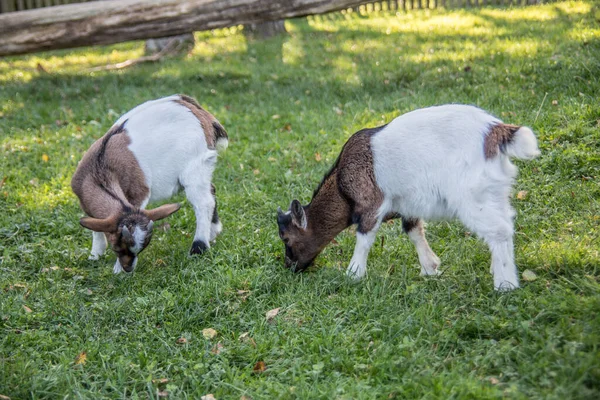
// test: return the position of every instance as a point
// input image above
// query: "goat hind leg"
(216, 227)
(415, 230)
(495, 226)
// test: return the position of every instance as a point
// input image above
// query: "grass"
(289, 103)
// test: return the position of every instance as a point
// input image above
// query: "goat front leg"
(364, 240)
(98, 245)
(427, 258)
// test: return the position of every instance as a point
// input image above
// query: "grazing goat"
(450, 161)
(149, 154)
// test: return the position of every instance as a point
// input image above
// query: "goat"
(449, 161)
(149, 154)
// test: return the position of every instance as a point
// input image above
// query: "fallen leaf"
(338, 110)
(272, 314)
(287, 127)
(182, 340)
(3, 397)
(554, 102)
(256, 171)
(529, 275)
(209, 333)
(276, 116)
(160, 381)
(244, 397)
(2, 182)
(318, 156)
(245, 338)
(522, 195)
(27, 309)
(494, 381)
(217, 349)
(81, 358)
(209, 396)
(243, 294)
(162, 393)
(45, 157)
(259, 367)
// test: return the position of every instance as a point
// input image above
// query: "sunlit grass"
(289, 104)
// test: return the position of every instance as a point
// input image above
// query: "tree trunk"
(112, 21)
(263, 30)
(183, 44)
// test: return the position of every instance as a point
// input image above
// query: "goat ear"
(99, 225)
(298, 214)
(162, 211)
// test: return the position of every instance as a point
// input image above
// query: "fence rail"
(20, 5)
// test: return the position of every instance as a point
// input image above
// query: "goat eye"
(286, 240)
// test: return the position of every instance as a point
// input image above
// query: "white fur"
(430, 164)
(98, 245)
(139, 236)
(169, 143)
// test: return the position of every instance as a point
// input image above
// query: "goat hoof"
(198, 247)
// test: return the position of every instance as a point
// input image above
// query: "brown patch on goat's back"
(497, 138)
(213, 130)
(105, 169)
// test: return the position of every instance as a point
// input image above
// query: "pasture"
(69, 328)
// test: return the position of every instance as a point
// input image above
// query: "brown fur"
(106, 168)
(348, 194)
(499, 136)
(213, 130)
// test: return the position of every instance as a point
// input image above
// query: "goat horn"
(125, 232)
(279, 212)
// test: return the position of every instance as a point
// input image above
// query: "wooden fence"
(20, 5)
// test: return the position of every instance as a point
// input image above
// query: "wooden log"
(115, 21)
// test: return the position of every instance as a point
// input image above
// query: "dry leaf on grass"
(243, 294)
(245, 338)
(209, 333)
(318, 156)
(522, 195)
(81, 358)
(3, 397)
(182, 340)
(217, 349)
(493, 380)
(209, 396)
(160, 381)
(272, 314)
(529, 275)
(259, 367)
(162, 393)
(27, 309)
(244, 397)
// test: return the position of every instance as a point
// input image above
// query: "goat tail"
(512, 141)
(523, 145)
(221, 144)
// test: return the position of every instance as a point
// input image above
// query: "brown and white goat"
(149, 154)
(449, 161)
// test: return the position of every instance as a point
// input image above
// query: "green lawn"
(288, 105)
